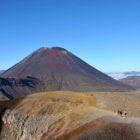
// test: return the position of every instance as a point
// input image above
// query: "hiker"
(122, 113)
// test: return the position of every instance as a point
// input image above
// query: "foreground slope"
(59, 69)
(129, 101)
(61, 116)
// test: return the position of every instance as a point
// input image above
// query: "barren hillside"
(66, 115)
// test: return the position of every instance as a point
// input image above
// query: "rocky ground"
(69, 116)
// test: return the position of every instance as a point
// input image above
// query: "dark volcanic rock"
(12, 88)
(59, 69)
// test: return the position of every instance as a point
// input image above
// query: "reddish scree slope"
(61, 70)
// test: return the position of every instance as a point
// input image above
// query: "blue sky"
(104, 33)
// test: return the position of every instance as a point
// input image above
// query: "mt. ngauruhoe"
(55, 69)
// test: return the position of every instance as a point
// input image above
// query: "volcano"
(59, 69)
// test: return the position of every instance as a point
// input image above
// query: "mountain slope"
(61, 70)
(11, 88)
(133, 81)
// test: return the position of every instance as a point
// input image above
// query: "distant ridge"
(1, 71)
(121, 75)
(133, 81)
(59, 69)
